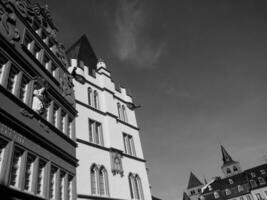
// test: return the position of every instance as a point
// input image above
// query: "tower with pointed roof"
(193, 189)
(229, 167)
(111, 160)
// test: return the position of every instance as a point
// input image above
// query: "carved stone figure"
(8, 23)
(40, 100)
(116, 162)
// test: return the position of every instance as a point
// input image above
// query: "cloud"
(130, 44)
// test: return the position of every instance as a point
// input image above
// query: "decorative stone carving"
(8, 21)
(116, 162)
(77, 73)
(26, 113)
(67, 88)
(132, 106)
(40, 100)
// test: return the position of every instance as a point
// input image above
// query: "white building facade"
(111, 161)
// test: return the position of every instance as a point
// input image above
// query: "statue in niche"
(40, 99)
(116, 162)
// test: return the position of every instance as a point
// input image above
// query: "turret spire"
(225, 156)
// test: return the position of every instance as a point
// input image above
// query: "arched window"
(94, 177)
(139, 187)
(90, 96)
(124, 114)
(136, 188)
(103, 182)
(96, 100)
(228, 171)
(132, 185)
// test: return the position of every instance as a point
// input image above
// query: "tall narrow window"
(29, 172)
(28, 41)
(94, 183)
(119, 110)
(3, 62)
(70, 127)
(52, 185)
(23, 88)
(37, 52)
(132, 186)
(2, 152)
(69, 189)
(96, 100)
(103, 182)
(62, 122)
(47, 63)
(139, 187)
(55, 118)
(124, 114)
(40, 178)
(13, 74)
(129, 144)
(91, 130)
(258, 196)
(15, 167)
(61, 189)
(95, 132)
(90, 96)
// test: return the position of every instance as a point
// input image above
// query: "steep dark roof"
(155, 198)
(227, 159)
(83, 51)
(193, 181)
(186, 197)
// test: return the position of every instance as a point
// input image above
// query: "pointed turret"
(225, 156)
(229, 167)
(193, 181)
(82, 51)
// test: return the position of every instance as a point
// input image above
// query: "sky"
(198, 68)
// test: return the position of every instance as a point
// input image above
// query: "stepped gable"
(193, 181)
(83, 51)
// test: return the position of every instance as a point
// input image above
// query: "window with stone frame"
(15, 168)
(29, 168)
(240, 188)
(258, 196)
(253, 183)
(228, 191)
(52, 183)
(12, 79)
(40, 177)
(3, 145)
(24, 87)
(261, 180)
(69, 188)
(95, 132)
(129, 147)
(3, 63)
(62, 185)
